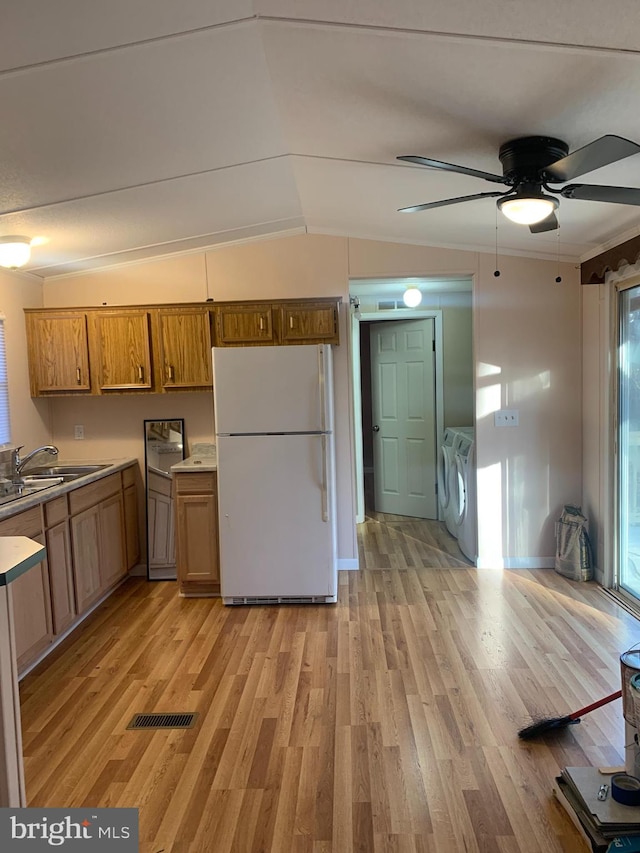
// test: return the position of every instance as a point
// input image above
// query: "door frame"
(397, 314)
(614, 461)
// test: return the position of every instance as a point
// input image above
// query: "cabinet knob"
(140, 373)
(78, 376)
(171, 373)
(261, 323)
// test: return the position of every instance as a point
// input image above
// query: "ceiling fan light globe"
(14, 251)
(412, 297)
(527, 211)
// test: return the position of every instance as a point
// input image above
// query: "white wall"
(30, 419)
(526, 355)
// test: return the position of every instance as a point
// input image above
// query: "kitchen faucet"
(18, 463)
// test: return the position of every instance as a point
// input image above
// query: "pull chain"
(496, 272)
(558, 277)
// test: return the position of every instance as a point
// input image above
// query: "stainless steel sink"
(44, 477)
(13, 491)
(67, 472)
(40, 481)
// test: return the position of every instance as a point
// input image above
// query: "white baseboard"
(517, 563)
(348, 564)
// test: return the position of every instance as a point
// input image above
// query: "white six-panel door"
(404, 413)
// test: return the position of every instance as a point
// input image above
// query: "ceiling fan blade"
(600, 152)
(451, 167)
(431, 204)
(548, 224)
(591, 192)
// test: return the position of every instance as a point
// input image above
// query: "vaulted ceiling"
(135, 129)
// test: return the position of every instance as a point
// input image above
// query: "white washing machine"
(447, 484)
(466, 507)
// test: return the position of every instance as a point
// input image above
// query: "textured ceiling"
(134, 130)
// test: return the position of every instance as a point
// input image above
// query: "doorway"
(447, 308)
(628, 442)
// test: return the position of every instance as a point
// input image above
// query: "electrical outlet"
(506, 418)
(78, 431)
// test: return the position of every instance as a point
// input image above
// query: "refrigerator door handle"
(321, 387)
(325, 481)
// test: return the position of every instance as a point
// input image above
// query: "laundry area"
(413, 376)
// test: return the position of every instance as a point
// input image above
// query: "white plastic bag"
(573, 548)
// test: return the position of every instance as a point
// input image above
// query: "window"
(5, 420)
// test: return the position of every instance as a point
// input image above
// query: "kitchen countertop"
(197, 462)
(17, 555)
(42, 495)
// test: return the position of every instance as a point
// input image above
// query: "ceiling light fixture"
(412, 297)
(527, 205)
(14, 251)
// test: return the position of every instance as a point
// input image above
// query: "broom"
(547, 725)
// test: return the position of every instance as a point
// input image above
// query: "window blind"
(5, 421)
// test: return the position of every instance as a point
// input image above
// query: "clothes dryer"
(466, 504)
(446, 477)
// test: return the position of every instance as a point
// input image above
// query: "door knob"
(376, 428)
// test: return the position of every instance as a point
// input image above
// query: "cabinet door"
(85, 541)
(185, 348)
(243, 324)
(123, 350)
(32, 613)
(309, 323)
(197, 538)
(113, 553)
(131, 525)
(58, 353)
(60, 562)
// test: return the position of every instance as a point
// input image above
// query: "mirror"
(163, 447)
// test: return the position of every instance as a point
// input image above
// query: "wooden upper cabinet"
(160, 348)
(185, 348)
(122, 345)
(244, 324)
(306, 323)
(58, 353)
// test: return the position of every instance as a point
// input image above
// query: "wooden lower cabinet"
(113, 551)
(197, 559)
(99, 554)
(60, 560)
(132, 531)
(89, 551)
(30, 593)
(85, 539)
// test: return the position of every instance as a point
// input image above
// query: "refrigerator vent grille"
(277, 599)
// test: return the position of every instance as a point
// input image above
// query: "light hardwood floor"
(385, 723)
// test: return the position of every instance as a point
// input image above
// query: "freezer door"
(276, 516)
(272, 389)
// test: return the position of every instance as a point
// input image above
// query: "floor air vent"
(163, 721)
(281, 599)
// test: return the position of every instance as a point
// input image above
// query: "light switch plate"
(506, 418)
(78, 431)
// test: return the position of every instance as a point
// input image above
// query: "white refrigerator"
(276, 474)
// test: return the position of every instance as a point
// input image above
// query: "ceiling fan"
(529, 165)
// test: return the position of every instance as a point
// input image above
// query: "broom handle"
(595, 705)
